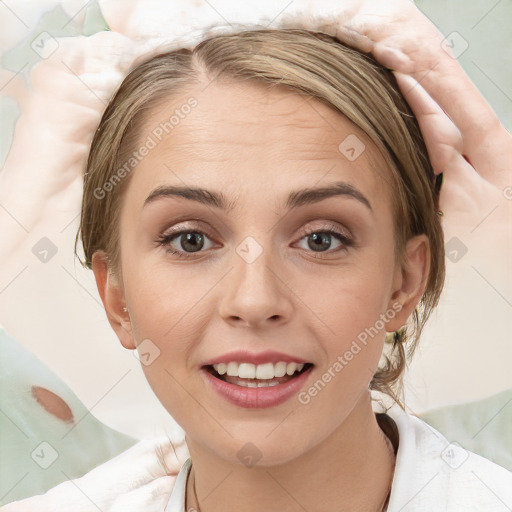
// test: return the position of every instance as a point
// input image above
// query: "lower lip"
(257, 397)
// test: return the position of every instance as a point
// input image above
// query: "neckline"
(177, 501)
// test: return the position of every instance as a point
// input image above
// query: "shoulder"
(432, 473)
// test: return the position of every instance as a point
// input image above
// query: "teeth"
(265, 371)
(247, 371)
(221, 368)
(232, 369)
(280, 369)
(257, 384)
(290, 368)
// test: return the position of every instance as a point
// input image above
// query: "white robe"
(431, 474)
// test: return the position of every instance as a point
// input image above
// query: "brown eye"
(183, 242)
(192, 241)
(320, 240)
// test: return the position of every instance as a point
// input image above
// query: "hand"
(464, 137)
(41, 182)
(141, 478)
(403, 39)
(477, 182)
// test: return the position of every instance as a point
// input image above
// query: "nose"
(255, 293)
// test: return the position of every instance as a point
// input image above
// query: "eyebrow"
(295, 199)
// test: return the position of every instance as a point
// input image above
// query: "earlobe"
(112, 296)
(411, 280)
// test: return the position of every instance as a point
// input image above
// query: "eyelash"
(165, 239)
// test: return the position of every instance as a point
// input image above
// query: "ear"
(112, 296)
(409, 281)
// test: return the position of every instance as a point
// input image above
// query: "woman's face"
(260, 280)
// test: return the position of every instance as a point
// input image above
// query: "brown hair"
(308, 63)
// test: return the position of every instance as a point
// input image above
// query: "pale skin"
(256, 146)
(399, 36)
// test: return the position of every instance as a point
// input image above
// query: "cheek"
(168, 324)
(351, 336)
(165, 297)
(171, 313)
(162, 308)
(353, 342)
(352, 298)
(352, 306)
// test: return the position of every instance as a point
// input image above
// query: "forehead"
(245, 137)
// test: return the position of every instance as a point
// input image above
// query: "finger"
(443, 141)
(442, 137)
(443, 78)
(447, 83)
(482, 133)
(403, 39)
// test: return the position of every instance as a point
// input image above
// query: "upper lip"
(245, 356)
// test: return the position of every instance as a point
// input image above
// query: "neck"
(352, 470)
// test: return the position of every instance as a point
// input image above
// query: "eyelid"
(175, 231)
(346, 241)
(199, 226)
(330, 227)
(344, 236)
(191, 225)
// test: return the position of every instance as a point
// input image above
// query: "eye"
(188, 240)
(320, 240)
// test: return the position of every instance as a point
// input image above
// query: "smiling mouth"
(257, 376)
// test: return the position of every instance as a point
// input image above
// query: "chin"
(255, 448)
